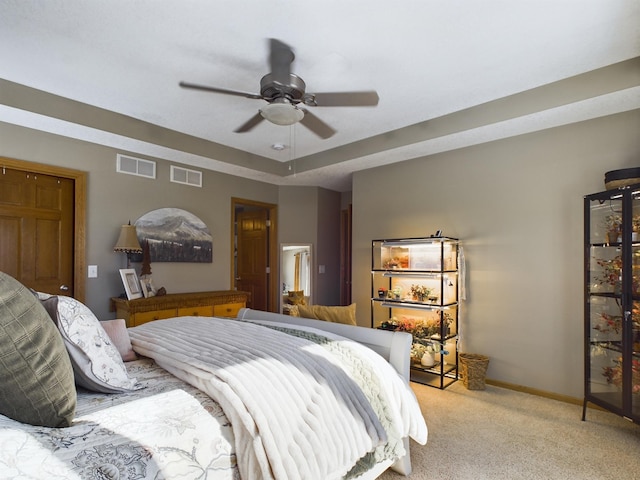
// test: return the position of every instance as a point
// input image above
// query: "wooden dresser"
(221, 303)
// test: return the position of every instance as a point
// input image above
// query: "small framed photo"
(131, 283)
(148, 288)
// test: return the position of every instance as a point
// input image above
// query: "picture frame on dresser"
(131, 283)
(148, 288)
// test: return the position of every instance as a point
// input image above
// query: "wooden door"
(36, 230)
(253, 256)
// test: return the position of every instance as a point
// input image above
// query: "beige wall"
(306, 214)
(517, 206)
(312, 215)
(114, 199)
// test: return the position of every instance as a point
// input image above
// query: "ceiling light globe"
(281, 113)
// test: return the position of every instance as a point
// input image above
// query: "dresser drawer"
(144, 317)
(227, 309)
(206, 311)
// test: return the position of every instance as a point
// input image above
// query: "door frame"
(272, 284)
(79, 179)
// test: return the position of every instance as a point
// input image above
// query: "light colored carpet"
(500, 434)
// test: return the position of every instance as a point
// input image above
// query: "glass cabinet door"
(612, 301)
(633, 323)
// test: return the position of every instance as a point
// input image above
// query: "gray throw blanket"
(296, 412)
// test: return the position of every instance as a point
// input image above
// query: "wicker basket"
(621, 178)
(473, 368)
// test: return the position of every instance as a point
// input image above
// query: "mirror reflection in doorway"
(295, 270)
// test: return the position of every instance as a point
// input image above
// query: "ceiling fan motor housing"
(293, 91)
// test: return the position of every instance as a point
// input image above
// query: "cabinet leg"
(584, 410)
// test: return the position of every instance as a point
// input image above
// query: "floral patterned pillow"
(97, 364)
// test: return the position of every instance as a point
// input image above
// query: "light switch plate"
(93, 271)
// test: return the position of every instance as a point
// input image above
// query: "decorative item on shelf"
(389, 325)
(428, 358)
(417, 351)
(420, 292)
(422, 329)
(449, 352)
(635, 228)
(424, 352)
(128, 242)
(396, 291)
(145, 269)
(609, 323)
(146, 282)
(613, 223)
(612, 274)
(382, 292)
(391, 264)
(613, 375)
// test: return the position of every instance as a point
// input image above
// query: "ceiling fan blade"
(343, 99)
(280, 60)
(221, 90)
(249, 124)
(316, 125)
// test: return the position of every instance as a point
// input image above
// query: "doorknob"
(238, 278)
(64, 288)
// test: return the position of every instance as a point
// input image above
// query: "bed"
(293, 399)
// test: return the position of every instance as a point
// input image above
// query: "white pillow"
(97, 364)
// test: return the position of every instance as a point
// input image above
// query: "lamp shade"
(128, 240)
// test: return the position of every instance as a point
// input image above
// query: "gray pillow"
(36, 376)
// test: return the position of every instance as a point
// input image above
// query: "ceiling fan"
(285, 91)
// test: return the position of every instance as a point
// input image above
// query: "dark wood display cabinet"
(612, 301)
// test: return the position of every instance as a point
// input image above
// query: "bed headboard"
(393, 346)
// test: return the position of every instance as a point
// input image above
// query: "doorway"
(63, 274)
(254, 256)
(296, 263)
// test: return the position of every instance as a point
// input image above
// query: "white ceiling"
(425, 58)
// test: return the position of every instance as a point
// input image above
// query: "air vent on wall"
(186, 176)
(136, 166)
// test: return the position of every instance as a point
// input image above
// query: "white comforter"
(167, 430)
(296, 410)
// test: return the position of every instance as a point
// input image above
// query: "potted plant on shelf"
(424, 352)
(420, 292)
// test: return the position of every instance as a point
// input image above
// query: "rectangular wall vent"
(136, 166)
(186, 176)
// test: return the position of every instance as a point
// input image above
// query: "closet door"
(253, 257)
(36, 230)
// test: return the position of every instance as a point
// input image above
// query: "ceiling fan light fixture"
(282, 113)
